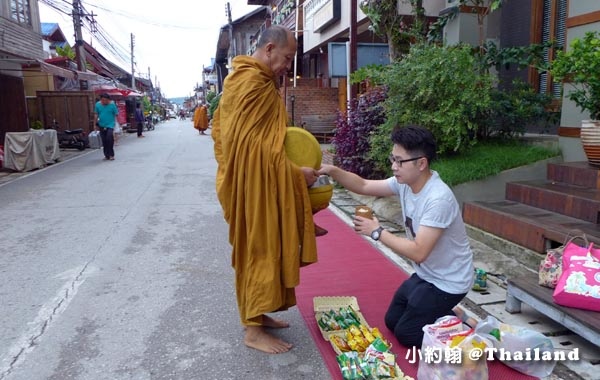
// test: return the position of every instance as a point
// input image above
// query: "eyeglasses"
(399, 162)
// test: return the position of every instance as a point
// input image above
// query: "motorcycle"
(149, 124)
(70, 138)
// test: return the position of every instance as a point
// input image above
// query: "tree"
(482, 8)
(66, 51)
(395, 28)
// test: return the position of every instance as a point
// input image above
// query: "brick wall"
(312, 97)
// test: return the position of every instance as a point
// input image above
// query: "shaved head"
(276, 48)
(277, 35)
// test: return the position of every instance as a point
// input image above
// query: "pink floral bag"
(551, 266)
(579, 283)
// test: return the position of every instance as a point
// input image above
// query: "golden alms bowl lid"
(302, 148)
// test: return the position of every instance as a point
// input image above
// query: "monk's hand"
(364, 225)
(310, 175)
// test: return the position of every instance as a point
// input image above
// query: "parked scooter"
(73, 138)
(149, 124)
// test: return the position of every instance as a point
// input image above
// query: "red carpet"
(350, 266)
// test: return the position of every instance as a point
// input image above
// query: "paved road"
(121, 270)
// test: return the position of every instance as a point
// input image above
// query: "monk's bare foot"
(274, 323)
(257, 338)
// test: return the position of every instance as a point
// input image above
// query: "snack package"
(443, 335)
(444, 327)
(515, 339)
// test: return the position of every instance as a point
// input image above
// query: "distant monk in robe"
(201, 119)
(264, 195)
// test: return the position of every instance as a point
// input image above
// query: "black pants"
(140, 128)
(108, 142)
(417, 303)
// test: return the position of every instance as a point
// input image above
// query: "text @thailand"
(454, 355)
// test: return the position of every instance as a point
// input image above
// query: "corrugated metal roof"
(48, 28)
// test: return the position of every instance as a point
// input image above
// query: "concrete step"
(574, 173)
(531, 227)
(571, 200)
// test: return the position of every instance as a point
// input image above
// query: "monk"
(263, 194)
(201, 119)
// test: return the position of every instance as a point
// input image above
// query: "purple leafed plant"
(352, 134)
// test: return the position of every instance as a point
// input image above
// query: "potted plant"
(580, 66)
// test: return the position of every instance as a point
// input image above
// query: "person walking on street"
(201, 118)
(264, 195)
(105, 113)
(139, 119)
(436, 239)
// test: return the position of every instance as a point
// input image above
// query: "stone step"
(531, 227)
(570, 200)
(574, 173)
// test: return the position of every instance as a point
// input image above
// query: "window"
(20, 11)
(550, 18)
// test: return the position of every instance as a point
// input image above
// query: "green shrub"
(512, 110)
(439, 88)
(212, 106)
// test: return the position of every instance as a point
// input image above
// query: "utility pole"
(353, 46)
(79, 51)
(132, 63)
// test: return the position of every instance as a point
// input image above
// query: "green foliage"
(520, 56)
(581, 67)
(214, 103)
(398, 30)
(489, 158)
(439, 88)
(210, 96)
(67, 51)
(37, 124)
(146, 103)
(512, 110)
(481, 8)
(373, 73)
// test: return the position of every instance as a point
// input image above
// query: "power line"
(136, 17)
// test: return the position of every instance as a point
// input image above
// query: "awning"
(114, 91)
(55, 70)
(52, 69)
(66, 73)
(88, 75)
(131, 93)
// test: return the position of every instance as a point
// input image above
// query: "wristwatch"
(375, 235)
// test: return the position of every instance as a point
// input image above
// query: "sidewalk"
(9, 175)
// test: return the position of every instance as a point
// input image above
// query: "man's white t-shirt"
(449, 266)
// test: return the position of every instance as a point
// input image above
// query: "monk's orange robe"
(263, 194)
(201, 118)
